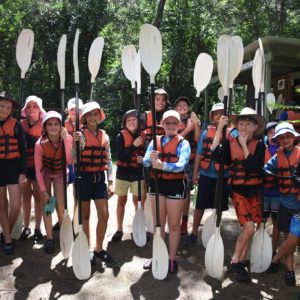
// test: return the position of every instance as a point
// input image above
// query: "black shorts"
(30, 174)
(92, 186)
(9, 177)
(173, 189)
(206, 193)
(284, 218)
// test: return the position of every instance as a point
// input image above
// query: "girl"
(33, 112)
(170, 159)
(48, 159)
(95, 159)
(12, 168)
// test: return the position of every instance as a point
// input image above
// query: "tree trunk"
(159, 13)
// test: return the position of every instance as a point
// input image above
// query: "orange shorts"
(247, 209)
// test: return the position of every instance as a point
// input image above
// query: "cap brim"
(296, 134)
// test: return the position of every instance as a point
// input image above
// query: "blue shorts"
(71, 174)
(271, 206)
(92, 186)
(295, 225)
(207, 191)
(285, 216)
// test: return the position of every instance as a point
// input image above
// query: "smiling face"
(52, 127)
(246, 127)
(182, 108)
(5, 109)
(171, 126)
(286, 141)
(131, 124)
(160, 102)
(72, 114)
(32, 111)
(216, 115)
(93, 117)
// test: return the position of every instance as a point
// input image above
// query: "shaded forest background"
(188, 27)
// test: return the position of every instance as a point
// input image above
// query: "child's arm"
(197, 124)
(217, 139)
(67, 139)
(147, 159)
(38, 163)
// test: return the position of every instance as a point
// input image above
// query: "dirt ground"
(32, 274)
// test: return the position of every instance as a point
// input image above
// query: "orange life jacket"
(93, 158)
(148, 131)
(53, 155)
(9, 144)
(128, 140)
(269, 180)
(32, 135)
(286, 167)
(190, 139)
(167, 153)
(70, 127)
(238, 174)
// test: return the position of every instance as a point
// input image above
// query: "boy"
(245, 157)
(283, 165)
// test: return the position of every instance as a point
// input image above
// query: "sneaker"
(56, 227)
(8, 248)
(25, 234)
(104, 256)
(273, 268)
(173, 266)
(147, 265)
(190, 239)
(241, 274)
(183, 228)
(117, 237)
(49, 246)
(38, 236)
(290, 279)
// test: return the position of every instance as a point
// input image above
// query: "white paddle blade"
(150, 49)
(262, 52)
(240, 51)
(202, 72)
(148, 215)
(61, 59)
(261, 251)
(227, 63)
(75, 221)
(81, 257)
(214, 256)
(137, 73)
(66, 237)
(257, 72)
(209, 228)
(160, 257)
(75, 57)
(128, 63)
(139, 228)
(17, 228)
(24, 50)
(270, 102)
(95, 55)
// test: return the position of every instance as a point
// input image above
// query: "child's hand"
(243, 140)
(63, 133)
(195, 118)
(77, 136)
(190, 124)
(137, 142)
(22, 181)
(45, 197)
(223, 121)
(158, 164)
(195, 178)
(154, 155)
(110, 190)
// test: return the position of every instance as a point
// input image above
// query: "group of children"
(262, 176)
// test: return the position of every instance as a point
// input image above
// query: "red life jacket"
(238, 174)
(128, 140)
(148, 131)
(286, 167)
(93, 158)
(33, 133)
(53, 155)
(9, 144)
(70, 127)
(269, 180)
(167, 153)
(189, 138)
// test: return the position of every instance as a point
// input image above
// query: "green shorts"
(122, 187)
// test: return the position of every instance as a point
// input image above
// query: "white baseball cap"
(52, 114)
(89, 106)
(72, 103)
(171, 113)
(36, 100)
(283, 128)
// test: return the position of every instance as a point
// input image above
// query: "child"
(48, 160)
(170, 159)
(33, 113)
(283, 164)
(271, 193)
(208, 173)
(12, 168)
(95, 159)
(190, 130)
(130, 151)
(245, 157)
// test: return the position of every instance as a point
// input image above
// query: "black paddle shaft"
(78, 176)
(220, 180)
(153, 128)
